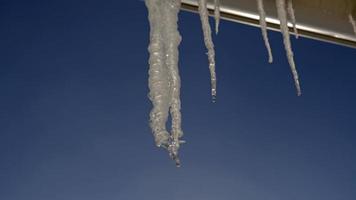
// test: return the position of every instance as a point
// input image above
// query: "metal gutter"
(324, 20)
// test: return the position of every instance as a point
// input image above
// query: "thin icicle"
(352, 22)
(158, 76)
(263, 25)
(291, 14)
(282, 15)
(204, 17)
(217, 15)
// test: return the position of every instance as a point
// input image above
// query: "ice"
(158, 79)
(217, 15)
(172, 40)
(352, 22)
(282, 15)
(164, 80)
(204, 17)
(291, 14)
(263, 25)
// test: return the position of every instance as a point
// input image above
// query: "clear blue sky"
(74, 111)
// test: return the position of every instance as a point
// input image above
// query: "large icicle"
(164, 80)
(158, 76)
(204, 17)
(173, 39)
(291, 14)
(263, 25)
(352, 22)
(217, 15)
(282, 15)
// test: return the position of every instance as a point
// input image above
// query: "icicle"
(203, 12)
(282, 15)
(352, 22)
(173, 39)
(263, 25)
(217, 15)
(158, 79)
(291, 14)
(164, 80)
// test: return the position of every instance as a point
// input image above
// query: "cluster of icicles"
(164, 80)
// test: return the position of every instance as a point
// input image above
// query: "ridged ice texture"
(352, 22)
(164, 80)
(172, 40)
(217, 15)
(282, 15)
(203, 12)
(263, 25)
(291, 14)
(158, 80)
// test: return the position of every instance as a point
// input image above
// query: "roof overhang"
(325, 20)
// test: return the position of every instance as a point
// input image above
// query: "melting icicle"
(263, 25)
(173, 39)
(291, 14)
(204, 17)
(164, 80)
(352, 22)
(217, 15)
(282, 15)
(158, 79)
